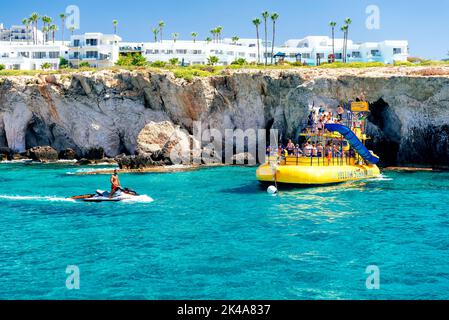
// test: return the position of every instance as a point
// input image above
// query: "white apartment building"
(20, 34)
(97, 49)
(198, 52)
(23, 56)
(103, 50)
(313, 50)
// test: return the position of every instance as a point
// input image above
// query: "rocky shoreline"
(137, 118)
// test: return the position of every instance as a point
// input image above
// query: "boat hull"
(315, 175)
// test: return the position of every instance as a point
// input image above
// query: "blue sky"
(425, 23)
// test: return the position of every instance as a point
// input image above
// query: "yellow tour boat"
(352, 161)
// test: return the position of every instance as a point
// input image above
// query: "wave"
(140, 199)
(87, 170)
(35, 198)
(382, 177)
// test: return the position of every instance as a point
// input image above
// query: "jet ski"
(103, 196)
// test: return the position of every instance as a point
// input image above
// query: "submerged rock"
(43, 154)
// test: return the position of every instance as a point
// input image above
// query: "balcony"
(100, 57)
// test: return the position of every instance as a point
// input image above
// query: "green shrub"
(63, 63)
(84, 64)
(46, 66)
(212, 60)
(174, 61)
(158, 64)
(2, 67)
(189, 73)
(239, 62)
(403, 64)
(128, 60)
(353, 65)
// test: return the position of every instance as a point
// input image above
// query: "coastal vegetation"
(192, 71)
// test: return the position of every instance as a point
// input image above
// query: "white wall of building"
(97, 49)
(23, 56)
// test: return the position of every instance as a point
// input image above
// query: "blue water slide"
(353, 141)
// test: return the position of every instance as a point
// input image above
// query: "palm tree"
(155, 33)
(235, 39)
(194, 36)
(26, 23)
(265, 16)
(208, 40)
(257, 23)
(274, 17)
(161, 28)
(115, 24)
(175, 36)
(333, 24)
(53, 28)
(45, 29)
(34, 18)
(214, 34)
(45, 32)
(344, 29)
(348, 22)
(219, 33)
(63, 17)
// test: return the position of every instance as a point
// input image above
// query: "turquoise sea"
(215, 234)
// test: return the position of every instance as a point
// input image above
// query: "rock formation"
(120, 111)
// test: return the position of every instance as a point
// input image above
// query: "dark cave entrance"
(385, 143)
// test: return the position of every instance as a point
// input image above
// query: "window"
(76, 43)
(91, 42)
(375, 53)
(196, 51)
(397, 50)
(320, 55)
(181, 51)
(339, 55)
(169, 51)
(356, 54)
(241, 54)
(39, 55)
(230, 53)
(24, 54)
(53, 54)
(252, 55)
(306, 55)
(91, 54)
(76, 55)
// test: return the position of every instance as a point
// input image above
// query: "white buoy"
(272, 190)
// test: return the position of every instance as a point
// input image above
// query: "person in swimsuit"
(115, 184)
(290, 147)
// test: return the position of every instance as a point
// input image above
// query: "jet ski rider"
(115, 184)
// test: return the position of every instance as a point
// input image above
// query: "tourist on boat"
(320, 150)
(320, 126)
(336, 151)
(340, 112)
(290, 147)
(115, 184)
(298, 150)
(308, 149)
(328, 152)
(314, 150)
